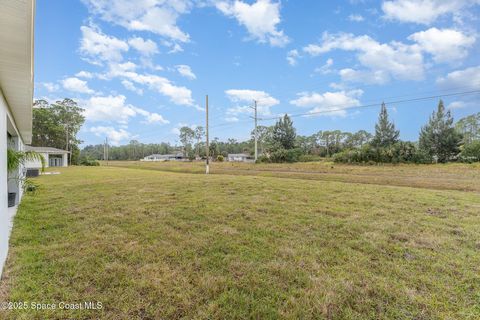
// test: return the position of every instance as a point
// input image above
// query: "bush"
(285, 155)
(309, 158)
(470, 152)
(400, 152)
(263, 159)
(220, 158)
(89, 162)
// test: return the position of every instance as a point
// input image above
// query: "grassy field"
(463, 177)
(250, 243)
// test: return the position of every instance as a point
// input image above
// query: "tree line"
(440, 140)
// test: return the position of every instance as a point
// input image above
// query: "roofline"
(17, 62)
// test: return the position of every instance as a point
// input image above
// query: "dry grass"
(162, 245)
(464, 177)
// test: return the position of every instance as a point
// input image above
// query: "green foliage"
(385, 133)
(220, 158)
(469, 127)
(438, 138)
(471, 152)
(309, 158)
(285, 155)
(263, 159)
(30, 186)
(17, 158)
(132, 151)
(89, 162)
(57, 125)
(284, 134)
(400, 152)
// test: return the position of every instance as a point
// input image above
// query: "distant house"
(53, 157)
(238, 157)
(164, 157)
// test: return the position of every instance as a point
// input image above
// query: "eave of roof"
(16, 61)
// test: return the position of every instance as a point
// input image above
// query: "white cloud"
(98, 47)
(424, 11)
(159, 17)
(326, 68)
(329, 103)
(462, 80)
(115, 109)
(156, 118)
(115, 137)
(392, 60)
(384, 61)
(365, 76)
(109, 108)
(186, 71)
(178, 95)
(76, 85)
(260, 18)
(465, 78)
(292, 57)
(49, 86)
(84, 74)
(145, 47)
(264, 101)
(130, 86)
(446, 45)
(356, 18)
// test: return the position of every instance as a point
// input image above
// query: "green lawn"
(151, 244)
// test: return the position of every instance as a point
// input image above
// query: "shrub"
(285, 155)
(263, 159)
(471, 152)
(400, 152)
(220, 158)
(89, 162)
(309, 158)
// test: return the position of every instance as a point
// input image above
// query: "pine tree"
(284, 134)
(385, 133)
(438, 138)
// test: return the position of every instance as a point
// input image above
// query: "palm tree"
(17, 158)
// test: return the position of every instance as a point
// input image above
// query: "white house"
(164, 157)
(16, 97)
(238, 157)
(53, 157)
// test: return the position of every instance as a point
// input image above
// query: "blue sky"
(141, 69)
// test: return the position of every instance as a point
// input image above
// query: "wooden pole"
(256, 132)
(207, 168)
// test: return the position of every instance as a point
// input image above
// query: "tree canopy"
(57, 125)
(385, 133)
(438, 138)
(284, 133)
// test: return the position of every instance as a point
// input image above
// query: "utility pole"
(69, 157)
(207, 168)
(105, 149)
(255, 132)
(106, 140)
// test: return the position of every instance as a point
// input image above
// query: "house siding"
(6, 214)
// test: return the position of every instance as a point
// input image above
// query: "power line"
(375, 104)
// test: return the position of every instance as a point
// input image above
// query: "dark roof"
(45, 149)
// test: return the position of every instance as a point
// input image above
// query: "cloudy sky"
(141, 69)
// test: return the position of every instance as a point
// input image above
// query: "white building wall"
(65, 160)
(6, 214)
(37, 164)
